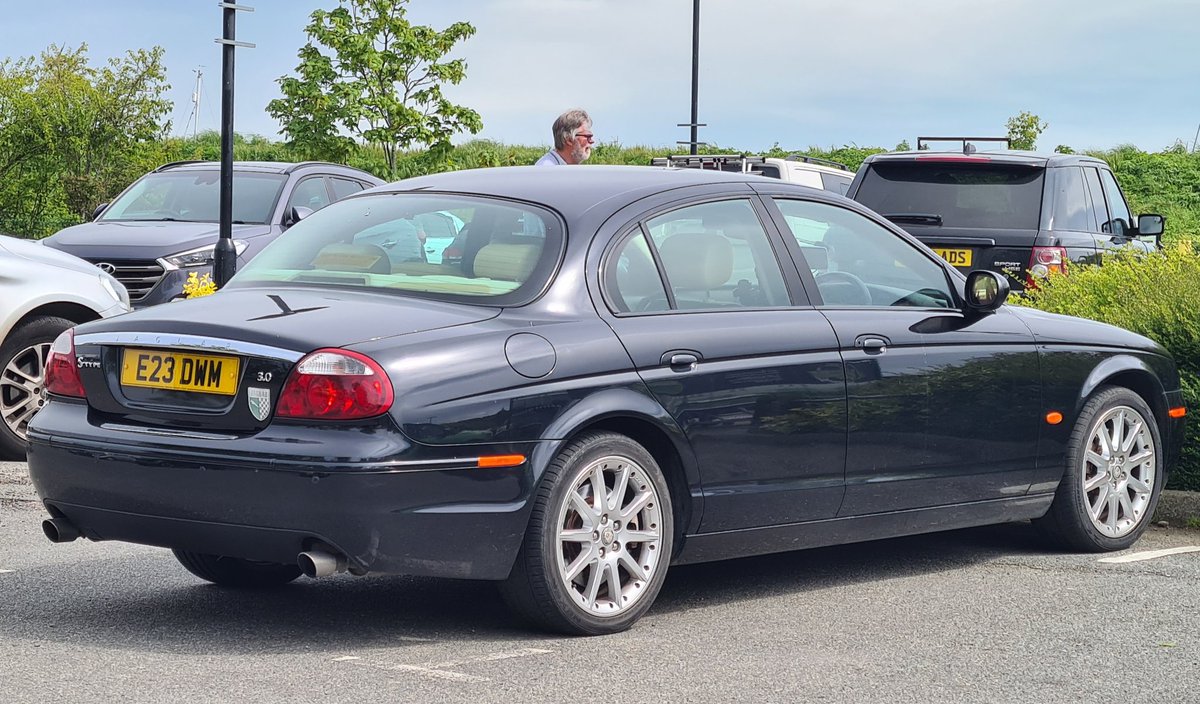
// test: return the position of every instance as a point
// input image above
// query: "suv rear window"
(502, 253)
(974, 195)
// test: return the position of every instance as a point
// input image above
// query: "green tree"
(80, 133)
(1023, 130)
(382, 84)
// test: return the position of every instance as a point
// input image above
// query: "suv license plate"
(180, 371)
(956, 257)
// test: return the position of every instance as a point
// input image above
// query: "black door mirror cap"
(1151, 224)
(99, 210)
(986, 291)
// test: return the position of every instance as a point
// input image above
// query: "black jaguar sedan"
(621, 369)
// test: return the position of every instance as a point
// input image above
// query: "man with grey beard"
(573, 140)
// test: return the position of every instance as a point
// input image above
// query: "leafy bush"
(1156, 295)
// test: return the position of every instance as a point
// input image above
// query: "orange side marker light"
(1054, 417)
(501, 461)
(1177, 412)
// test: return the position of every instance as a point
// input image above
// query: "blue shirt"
(551, 158)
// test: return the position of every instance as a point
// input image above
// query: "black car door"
(943, 407)
(730, 348)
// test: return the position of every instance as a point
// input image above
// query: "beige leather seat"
(506, 262)
(696, 261)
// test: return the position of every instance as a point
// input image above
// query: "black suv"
(1017, 213)
(164, 226)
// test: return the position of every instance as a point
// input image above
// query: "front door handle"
(680, 360)
(872, 344)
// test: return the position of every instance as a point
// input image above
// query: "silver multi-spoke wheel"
(1113, 474)
(599, 541)
(22, 388)
(609, 535)
(1119, 471)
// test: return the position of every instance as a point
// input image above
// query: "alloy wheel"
(22, 387)
(1119, 471)
(609, 536)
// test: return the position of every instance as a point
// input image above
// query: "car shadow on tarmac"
(163, 609)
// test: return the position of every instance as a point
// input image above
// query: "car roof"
(570, 188)
(277, 167)
(1010, 156)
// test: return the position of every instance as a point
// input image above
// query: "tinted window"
(857, 262)
(768, 170)
(374, 242)
(717, 255)
(984, 195)
(343, 187)
(194, 196)
(1099, 209)
(1072, 211)
(837, 184)
(310, 193)
(1121, 218)
(631, 278)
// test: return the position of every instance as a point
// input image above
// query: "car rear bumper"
(435, 517)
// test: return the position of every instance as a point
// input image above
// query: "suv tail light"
(333, 384)
(1046, 261)
(62, 372)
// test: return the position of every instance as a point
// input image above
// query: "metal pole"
(225, 254)
(695, 73)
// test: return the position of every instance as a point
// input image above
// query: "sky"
(799, 73)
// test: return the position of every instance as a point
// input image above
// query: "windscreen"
(955, 194)
(441, 245)
(195, 196)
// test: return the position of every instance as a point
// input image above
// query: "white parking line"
(7, 571)
(443, 671)
(1150, 554)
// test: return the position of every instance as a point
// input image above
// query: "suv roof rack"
(967, 146)
(738, 163)
(173, 164)
(817, 160)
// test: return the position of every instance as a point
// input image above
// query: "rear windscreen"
(960, 194)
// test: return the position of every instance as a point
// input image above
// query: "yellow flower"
(197, 286)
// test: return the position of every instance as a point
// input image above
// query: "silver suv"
(164, 226)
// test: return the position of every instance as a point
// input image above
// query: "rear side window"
(343, 187)
(836, 184)
(978, 195)
(1072, 210)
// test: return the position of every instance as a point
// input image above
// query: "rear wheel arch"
(645, 422)
(74, 312)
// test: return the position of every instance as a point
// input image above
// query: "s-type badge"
(260, 402)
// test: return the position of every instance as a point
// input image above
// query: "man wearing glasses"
(573, 140)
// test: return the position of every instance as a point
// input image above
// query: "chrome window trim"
(192, 342)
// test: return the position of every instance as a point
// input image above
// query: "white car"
(42, 292)
(794, 168)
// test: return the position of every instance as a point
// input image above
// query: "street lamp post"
(225, 254)
(695, 123)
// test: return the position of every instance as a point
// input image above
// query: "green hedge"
(1156, 295)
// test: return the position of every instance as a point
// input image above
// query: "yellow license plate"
(956, 257)
(180, 371)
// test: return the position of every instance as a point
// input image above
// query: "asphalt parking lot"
(982, 615)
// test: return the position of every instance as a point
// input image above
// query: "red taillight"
(332, 384)
(1045, 261)
(62, 373)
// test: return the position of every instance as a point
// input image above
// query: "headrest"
(697, 260)
(353, 257)
(506, 262)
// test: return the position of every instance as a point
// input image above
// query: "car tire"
(22, 376)
(1113, 478)
(236, 572)
(588, 567)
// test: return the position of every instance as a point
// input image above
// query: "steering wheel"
(843, 288)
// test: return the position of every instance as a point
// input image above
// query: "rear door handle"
(680, 360)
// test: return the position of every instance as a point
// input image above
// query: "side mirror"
(295, 215)
(986, 291)
(99, 209)
(1152, 225)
